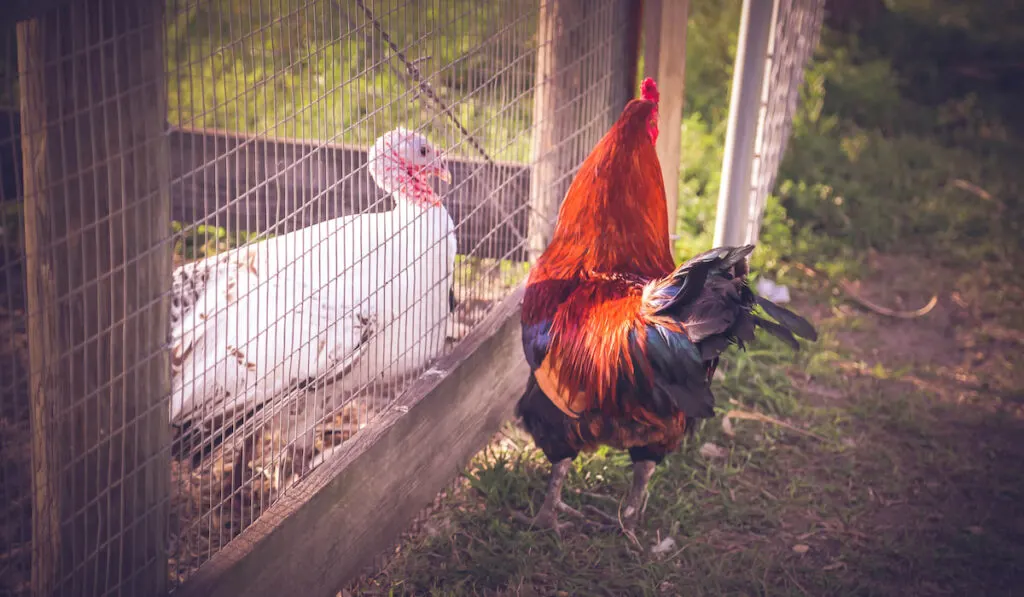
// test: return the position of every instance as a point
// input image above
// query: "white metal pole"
(734, 196)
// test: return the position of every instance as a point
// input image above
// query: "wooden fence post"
(665, 60)
(549, 103)
(626, 59)
(544, 137)
(97, 226)
(565, 60)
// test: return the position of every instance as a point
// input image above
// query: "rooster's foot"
(545, 519)
(547, 516)
(636, 502)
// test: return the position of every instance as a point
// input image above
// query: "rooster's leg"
(636, 501)
(547, 516)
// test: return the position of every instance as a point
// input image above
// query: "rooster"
(622, 345)
(348, 300)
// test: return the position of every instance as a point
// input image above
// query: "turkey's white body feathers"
(361, 297)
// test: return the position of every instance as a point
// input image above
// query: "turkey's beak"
(442, 172)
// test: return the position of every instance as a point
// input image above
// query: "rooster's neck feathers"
(613, 218)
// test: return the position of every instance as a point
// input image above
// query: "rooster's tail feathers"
(684, 285)
(791, 322)
(709, 295)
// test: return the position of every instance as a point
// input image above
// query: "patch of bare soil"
(972, 341)
(936, 421)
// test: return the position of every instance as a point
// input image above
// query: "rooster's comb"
(649, 90)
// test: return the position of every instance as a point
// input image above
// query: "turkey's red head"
(401, 162)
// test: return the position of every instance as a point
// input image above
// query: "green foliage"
(710, 52)
(875, 160)
(196, 242)
(320, 70)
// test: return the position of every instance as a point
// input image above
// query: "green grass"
(886, 490)
(318, 70)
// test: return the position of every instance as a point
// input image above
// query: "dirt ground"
(899, 469)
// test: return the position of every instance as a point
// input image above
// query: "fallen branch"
(756, 416)
(860, 300)
(972, 188)
(852, 293)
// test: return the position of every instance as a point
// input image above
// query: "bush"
(869, 166)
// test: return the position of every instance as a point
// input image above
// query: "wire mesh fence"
(85, 233)
(257, 178)
(317, 268)
(795, 36)
(298, 92)
(15, 434)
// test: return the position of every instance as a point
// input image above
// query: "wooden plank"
(629, 17)
(260, 184)
(22, 10)
(43, 320)
(665, 60)
(330, 525)
(98, 267)
(553, 118)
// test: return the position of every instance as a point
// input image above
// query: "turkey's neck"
(412, 193)
(408, 207)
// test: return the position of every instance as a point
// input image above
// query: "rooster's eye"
(423, 151)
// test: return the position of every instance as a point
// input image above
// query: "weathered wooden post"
(559, 72)
(97, 225)
(665, 60)
(553, 56)
(626, 54)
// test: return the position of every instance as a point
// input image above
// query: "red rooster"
(622, 344)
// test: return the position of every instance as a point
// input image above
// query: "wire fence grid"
(462, 73)
(231, 141)
(83, 400)
(312, 277)
(15, 434)
(795, 36)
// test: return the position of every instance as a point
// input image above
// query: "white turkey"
(350, 300)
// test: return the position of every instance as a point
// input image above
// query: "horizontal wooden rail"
(264, 184)
(270, 184)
